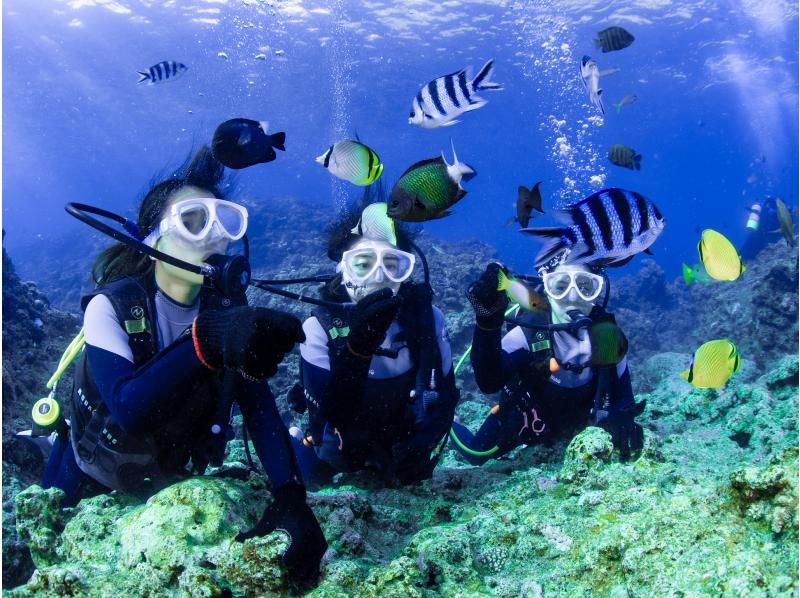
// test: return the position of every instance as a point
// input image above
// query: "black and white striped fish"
(607, 228)
(442, 100)
(166, 70)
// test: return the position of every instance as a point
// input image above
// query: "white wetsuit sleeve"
(315, 349)
(102, 329)
(444, 340)
(514, 340)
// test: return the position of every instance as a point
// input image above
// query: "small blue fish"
(163, 71)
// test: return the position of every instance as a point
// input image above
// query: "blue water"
(716, 120)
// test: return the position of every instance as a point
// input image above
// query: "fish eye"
(411, 114)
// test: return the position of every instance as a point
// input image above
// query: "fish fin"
(648, 252)
(264, 124)
(449, 123)
(687, 275)
(502, 280)
(536, 197)
(685, 375)
(619, 263)
(320, 159)
(553, 242)
(278, 140)
(618, 107)
(441, 214)
(637, 161)
(700, 250)
(481, 80)
(143, 77)
(457, 170)
(608, 71)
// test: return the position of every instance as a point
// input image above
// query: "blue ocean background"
(716, 119)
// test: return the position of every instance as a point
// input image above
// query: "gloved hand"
(250, 340)
(489, 303)
(626, 434)
(369, 321)
(289, 513)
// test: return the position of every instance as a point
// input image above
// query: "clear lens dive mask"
(361, 263)
(203, 219)
(557, 284)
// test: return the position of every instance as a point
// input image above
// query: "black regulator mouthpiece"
(579, 318)
(227, 274)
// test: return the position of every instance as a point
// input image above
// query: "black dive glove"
(289, 513)
(369, 321)
(250, 340)
(626, 434)
(489, 303)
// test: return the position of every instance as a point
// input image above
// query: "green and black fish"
(609, 344)
(613, 38)
(624, 156)
(428, 188)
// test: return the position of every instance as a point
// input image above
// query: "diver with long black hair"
(559, 370)
(376, 373)
(166, 356)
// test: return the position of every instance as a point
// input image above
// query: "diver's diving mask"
(557, 284)
(202, 219)
(362, 262)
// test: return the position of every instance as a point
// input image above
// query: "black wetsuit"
(535, 405)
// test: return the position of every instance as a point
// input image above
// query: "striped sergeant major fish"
(442, 100)
(608, 228)
(165, 70)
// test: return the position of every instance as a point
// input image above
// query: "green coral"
(40, 523)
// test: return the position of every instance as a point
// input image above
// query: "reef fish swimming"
(352, 161)
(428, 188)
(609, 344)
(527, 201)
(628, 99)
(719, 257)
(442, 100)
(625, 156)
(607, 228)
(713, 364)
(241, 142)
(612, 39)
(166, 70)
(590, 75)
(785, 220)
(521, 293)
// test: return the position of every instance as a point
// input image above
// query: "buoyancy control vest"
(128, 462)
(386, 406)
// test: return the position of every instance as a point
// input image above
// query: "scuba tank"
(754, 217)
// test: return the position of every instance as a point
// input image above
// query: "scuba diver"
(763, 228)
(560, 369)
(376, 373)
(165, 357)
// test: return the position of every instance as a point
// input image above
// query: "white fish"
(442, 100)
(590, 74)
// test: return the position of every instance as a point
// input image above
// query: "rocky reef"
(709, 506)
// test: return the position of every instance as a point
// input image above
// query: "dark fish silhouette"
(624, 156)
(527, 201)
(613, 38)
(166, 70)
(241, 142)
